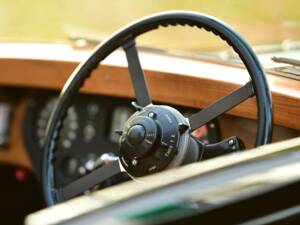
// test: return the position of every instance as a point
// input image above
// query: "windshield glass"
(260, 22)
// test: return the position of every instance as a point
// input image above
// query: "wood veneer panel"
(173, 80)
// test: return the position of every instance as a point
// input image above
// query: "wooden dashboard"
(174, 80)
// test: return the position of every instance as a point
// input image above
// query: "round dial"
(69, 131)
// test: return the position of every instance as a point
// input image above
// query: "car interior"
(143, 112)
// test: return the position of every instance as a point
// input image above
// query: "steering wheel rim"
(127, 35)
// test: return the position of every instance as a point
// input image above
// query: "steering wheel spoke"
(221, 106)
(137, 74)
(90, 180)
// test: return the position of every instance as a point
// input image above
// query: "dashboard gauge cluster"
(88, 133)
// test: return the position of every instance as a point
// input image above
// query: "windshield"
(260, 22)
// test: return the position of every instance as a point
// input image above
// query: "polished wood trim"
(172, 80)
(15, 154)
(245, 129)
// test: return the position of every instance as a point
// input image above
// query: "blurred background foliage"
(259, 21)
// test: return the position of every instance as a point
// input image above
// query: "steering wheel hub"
(136, 134)
(150, 140)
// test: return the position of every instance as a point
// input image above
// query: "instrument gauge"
(119, 117)
(69, 131)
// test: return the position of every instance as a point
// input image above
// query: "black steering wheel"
(156, 137)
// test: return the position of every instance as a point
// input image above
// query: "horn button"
(150, 139)
(136, 134)
(139, 137)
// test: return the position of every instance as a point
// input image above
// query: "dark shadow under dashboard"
(20, 194)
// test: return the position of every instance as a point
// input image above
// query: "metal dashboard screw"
(151, 115)
(134, 162)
